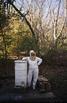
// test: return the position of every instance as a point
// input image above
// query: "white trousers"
(33, 73)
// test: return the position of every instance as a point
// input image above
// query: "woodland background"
(40, 25)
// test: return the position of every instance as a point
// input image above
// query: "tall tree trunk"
(4, 49)
(55, 25)
(5, 46)
(65, 12)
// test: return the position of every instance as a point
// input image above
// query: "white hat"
(31, 51)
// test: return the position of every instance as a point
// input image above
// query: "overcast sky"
(25, 5)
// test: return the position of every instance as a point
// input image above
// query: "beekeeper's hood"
(31, 51)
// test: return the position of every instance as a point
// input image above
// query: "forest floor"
(57, 76)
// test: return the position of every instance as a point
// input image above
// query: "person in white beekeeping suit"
(33, 62)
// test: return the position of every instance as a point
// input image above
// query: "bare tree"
(65, 11)
(35, 16)
(22, 15)
(56, 22)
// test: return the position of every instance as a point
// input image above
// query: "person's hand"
(24, 59)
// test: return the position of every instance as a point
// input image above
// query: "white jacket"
(33, 64)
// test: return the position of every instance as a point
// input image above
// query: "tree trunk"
(65, 12)
(4, 44)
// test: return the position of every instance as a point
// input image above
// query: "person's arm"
(25, 58)
(39, 60)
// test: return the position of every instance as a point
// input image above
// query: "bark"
(65, 12)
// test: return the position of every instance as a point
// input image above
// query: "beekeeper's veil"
(31, 51)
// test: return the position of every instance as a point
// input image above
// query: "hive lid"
(20, 61)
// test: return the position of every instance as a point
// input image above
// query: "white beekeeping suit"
(33, 62)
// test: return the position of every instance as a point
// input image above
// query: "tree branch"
(22, 15)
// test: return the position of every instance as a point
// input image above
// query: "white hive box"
(20, 73)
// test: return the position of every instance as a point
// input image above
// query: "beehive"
(20, 73)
